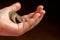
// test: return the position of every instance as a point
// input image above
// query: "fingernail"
(41, 6)
(38, 14)
(43, 11)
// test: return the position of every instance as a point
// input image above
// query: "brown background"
(47, 29)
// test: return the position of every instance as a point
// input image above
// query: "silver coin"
(13, 16)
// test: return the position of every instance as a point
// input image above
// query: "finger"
(14, 7)
(32, 20)
(31, 14)
(39, 18)
(35, 16)
(42, 14)
(27, 25)
(26, 17)
(39, 8)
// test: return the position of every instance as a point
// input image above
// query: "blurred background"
(47, 29)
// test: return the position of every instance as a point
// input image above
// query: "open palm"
(8, 28)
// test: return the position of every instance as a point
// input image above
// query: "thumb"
(14, 7)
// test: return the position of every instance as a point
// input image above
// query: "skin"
(9, 28)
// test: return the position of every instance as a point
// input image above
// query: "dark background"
(48, 28)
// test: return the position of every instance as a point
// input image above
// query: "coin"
(14, 17)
